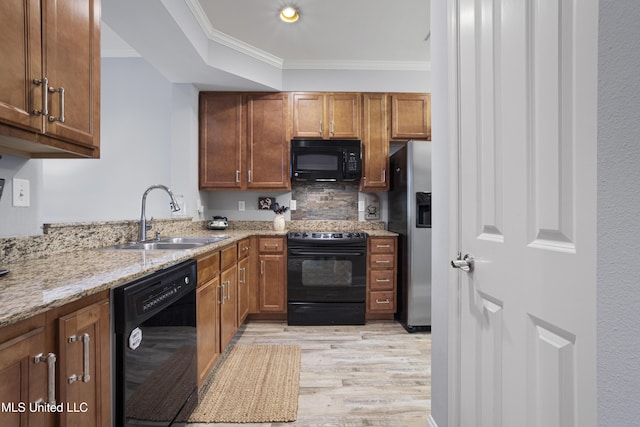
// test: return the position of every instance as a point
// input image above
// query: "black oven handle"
(327, 253)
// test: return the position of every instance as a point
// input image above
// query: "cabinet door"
(244, 273)
(208, 333)
(71, 34)
(22, 381)
(375, 143)
(84, 363)
(273, 284)
(221, 141)
(268, 141)
(343, 116)
(308, 115)
(411, 116)
(228, 306)
(21, 64)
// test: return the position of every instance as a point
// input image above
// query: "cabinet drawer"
(208, 267)
(228, 256)
(382, 280)
(244, 247)
(382, 301)
(382, 261)
(382, 245)
(271, 245)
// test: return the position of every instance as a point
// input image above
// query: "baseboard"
(431, 422)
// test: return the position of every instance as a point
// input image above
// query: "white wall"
(20, 221)
(618, 296)
(136, 119)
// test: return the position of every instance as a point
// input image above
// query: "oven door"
(325, 273)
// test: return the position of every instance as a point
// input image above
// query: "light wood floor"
(372, 375)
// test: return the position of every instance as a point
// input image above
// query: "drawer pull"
(386, 301)
(271, 245)
(384, 261)
(383, 246)
(383, 280)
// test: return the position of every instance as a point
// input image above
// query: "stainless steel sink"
(171, 243)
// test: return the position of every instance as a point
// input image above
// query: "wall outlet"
(360, 205)
(293, 206)
(21, 193)
(241, 205)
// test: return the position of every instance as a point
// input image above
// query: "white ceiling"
(243, 41)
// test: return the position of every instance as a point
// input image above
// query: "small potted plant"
(278, 222)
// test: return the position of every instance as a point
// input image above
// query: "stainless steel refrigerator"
(409, 200)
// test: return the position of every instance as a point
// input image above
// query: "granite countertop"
(37, 285)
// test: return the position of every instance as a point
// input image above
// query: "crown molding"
(261, 55)
(358, 65)
(228, 41)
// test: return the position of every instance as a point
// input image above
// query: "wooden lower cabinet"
(273, 275)
(207, 317)
(381, 277)
(228, 295)
(85, 360)
(22, 380)
(244, 276)
(61, 357)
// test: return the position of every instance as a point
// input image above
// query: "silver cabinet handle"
(320, 130)
(383, 280)
(249, 173)
(223, 297)
(237, 175)
(51, 374)
(384, 261)
(244, 275)
(383, 246)
(86, 376)
(465, 264)
(60, 119)
(386, 301)
(271, 245)
(217, 293)
(384, 175)
(228, 289)
(262, 267)
(331, 129)
(45, 93)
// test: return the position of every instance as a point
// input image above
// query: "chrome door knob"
(466, 264)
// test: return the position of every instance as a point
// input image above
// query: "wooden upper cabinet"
(221, 141)
(326, 115)
(21, 63)
(411, 116)
(244, 141)
(50, 78)
(268, 141)
(375, 142)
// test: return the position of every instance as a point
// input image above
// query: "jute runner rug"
(254, 384)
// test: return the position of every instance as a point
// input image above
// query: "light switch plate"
(1, 186)
(360, 205)
(241, 205)
(21, 193)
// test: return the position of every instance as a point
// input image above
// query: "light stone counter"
(34, 286)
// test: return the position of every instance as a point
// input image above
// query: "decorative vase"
(278, 222)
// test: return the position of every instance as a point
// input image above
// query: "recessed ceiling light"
(289, 14)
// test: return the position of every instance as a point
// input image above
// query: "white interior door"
(527, 211)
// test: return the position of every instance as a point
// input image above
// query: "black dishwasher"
(155, 370)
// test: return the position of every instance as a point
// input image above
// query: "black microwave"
(326, 160)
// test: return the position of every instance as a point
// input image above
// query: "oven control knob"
(305, 235)
(349, 235)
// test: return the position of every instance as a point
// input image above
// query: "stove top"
(330, 235)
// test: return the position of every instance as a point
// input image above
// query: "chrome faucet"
(142, 235)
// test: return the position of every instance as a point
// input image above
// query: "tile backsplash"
(325, 201)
